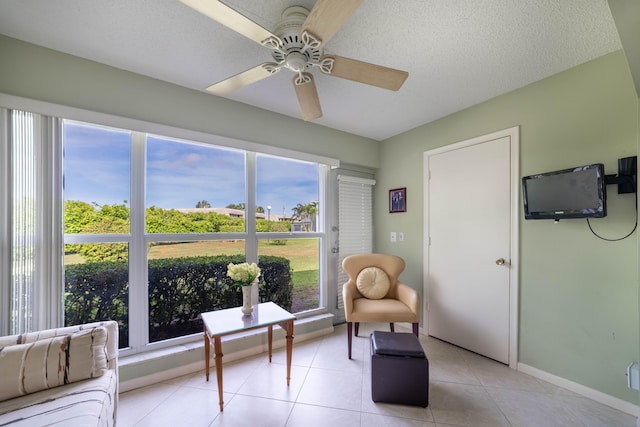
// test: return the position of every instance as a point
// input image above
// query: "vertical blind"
(24, 223)
(355, 223)
(5, 214)
(30, 261)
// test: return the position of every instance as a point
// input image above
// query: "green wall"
(578, 294)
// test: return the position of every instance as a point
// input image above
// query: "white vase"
(247, 307)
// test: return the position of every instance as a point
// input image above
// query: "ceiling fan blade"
(307, 95)
(233, 19)
(363, 72)
(245, 78)
(327, 17)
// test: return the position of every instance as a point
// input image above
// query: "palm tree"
(238, 206)
(304, 211)
(241, 207)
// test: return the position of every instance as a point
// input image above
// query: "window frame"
(137, 241)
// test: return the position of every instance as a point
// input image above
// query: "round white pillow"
(373, 283)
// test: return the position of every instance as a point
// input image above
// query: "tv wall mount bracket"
(626, 178)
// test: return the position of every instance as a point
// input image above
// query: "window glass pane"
(97, 169)
(194, 188)
(96, 277)
(304, 259)
(287, 194)
(186, 279)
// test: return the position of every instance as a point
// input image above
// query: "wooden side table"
(231, 321)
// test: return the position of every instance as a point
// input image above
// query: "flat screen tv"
(569, 193)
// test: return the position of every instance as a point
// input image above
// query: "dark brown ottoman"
(399, 369)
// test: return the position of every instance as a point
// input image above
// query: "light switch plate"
(393, 237)
(401, 236)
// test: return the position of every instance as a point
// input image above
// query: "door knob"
(500, 261)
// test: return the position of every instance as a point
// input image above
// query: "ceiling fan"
(297, 44)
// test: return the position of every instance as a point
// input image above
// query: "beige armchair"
(373, 293)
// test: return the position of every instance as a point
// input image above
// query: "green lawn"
(301, 253)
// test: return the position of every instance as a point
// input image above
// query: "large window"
(151, 222)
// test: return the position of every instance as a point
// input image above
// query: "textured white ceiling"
(458, 52)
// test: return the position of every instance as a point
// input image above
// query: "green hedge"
(179, 290)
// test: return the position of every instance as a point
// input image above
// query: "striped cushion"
(87, 354)
(51, 362)
(85, 403)
(112, 337)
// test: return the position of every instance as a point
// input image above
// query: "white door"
(469, 219)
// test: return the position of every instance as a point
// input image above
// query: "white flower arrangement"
(243, 274)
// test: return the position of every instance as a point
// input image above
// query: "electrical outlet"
(393, 237)
(401, 236)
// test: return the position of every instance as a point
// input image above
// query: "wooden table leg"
(270, 339)
(288, 326)
(207, 353)
(217, 344)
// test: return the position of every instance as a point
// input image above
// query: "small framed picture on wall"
(398, 200)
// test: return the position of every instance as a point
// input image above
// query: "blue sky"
(97, 165)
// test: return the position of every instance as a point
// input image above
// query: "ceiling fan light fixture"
(296, 62)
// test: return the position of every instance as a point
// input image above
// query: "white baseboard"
(160, 376)
(190, 368)
(598, 396)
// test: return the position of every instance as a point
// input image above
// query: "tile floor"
(328, 389)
